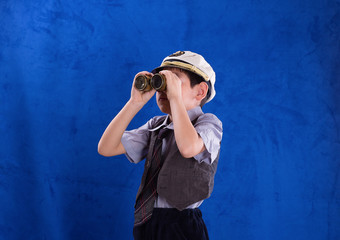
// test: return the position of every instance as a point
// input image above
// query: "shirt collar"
(193, 114)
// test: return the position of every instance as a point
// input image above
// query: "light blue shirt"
(208, 126)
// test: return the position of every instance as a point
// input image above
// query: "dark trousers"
(172, 224)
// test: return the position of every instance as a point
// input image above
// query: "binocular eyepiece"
(146, 83)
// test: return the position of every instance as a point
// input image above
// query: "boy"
(181, 149)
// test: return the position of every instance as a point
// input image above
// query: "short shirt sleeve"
(209, 127)
(136, 142)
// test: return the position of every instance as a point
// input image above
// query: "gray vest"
(181, 181)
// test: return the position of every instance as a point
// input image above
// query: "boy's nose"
(162, 95)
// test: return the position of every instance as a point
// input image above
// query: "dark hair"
(197, 79)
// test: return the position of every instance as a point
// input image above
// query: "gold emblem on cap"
(176, 54)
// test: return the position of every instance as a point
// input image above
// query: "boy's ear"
(202, 91)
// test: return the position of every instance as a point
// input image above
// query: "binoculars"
(146, 83)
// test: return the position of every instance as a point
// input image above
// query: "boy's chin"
(164, 109)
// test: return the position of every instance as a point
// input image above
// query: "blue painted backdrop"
(66, 69)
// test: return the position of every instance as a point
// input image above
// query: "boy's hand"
(140, 97)
(173, 85)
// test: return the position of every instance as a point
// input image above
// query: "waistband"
(169, 214)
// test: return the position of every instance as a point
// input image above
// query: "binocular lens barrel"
(142, 83)
(158, 82)
(145, 83)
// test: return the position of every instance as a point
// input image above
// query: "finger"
(144, 73)
(169, 76)
(166, 72)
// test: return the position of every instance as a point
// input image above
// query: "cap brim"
(182, 65)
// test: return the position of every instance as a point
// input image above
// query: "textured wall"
(66, 69)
